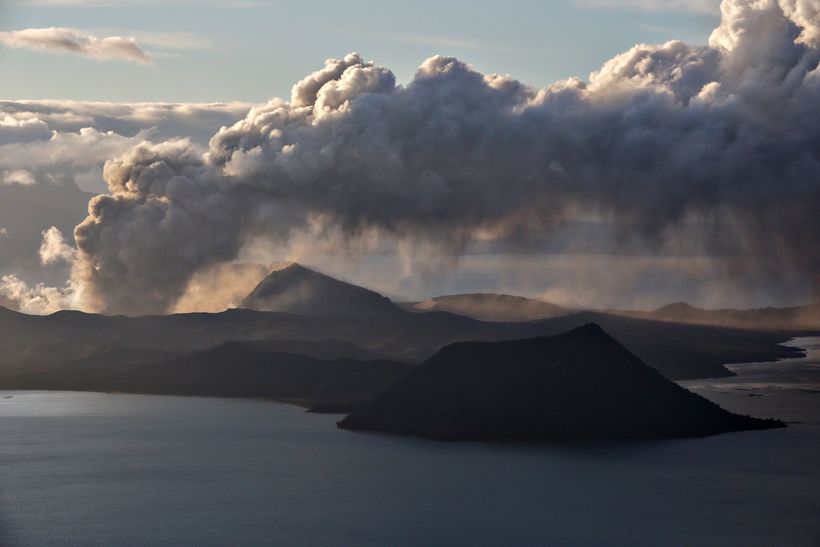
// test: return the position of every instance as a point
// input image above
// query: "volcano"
(300, 290)
(582, 384)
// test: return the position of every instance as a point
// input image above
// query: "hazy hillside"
(492, 307)
(581, 384)
(795, 318)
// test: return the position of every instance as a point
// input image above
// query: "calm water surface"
(102, 469)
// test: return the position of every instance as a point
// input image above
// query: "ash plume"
(725, 133)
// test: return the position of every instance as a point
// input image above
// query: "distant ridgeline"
(299, 304)
(579, 385)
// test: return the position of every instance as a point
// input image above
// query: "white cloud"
(18, 176)
(158, 42)
(54, 249)
(64, 40)
(21, 129)
(38, 299)
(48, 139)
(195, 120)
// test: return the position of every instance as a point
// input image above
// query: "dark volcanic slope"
(296, 289)
(232, 369)
(493, 307)
(581, 384)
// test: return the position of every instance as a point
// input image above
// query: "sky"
(253, 50)
(595, 153)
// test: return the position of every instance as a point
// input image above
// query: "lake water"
(103, 469)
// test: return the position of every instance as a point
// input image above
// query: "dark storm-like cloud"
(659, 136)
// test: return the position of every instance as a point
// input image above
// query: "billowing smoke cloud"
(662, 135)
(50, 148)
(64, 40)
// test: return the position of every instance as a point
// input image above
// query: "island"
(582, 384)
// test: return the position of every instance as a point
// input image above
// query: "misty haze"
(428, 273)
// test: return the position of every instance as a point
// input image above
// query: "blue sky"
(251, 51)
